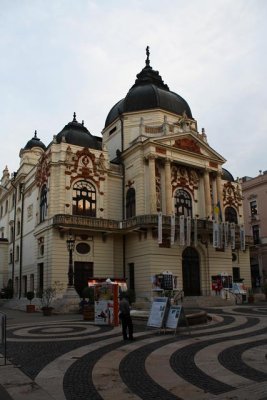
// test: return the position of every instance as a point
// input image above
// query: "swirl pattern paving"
(72, 359)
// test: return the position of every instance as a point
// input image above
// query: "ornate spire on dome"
(35, 134)
(149, 76)
(74, 117)
(147, 57)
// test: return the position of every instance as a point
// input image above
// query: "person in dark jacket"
(125, 317)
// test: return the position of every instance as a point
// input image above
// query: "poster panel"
(173, 316)
(104, 314)
(157, 312)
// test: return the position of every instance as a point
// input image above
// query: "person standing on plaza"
(125, 317)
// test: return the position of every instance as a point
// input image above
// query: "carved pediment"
(187, 144)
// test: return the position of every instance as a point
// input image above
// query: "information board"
(173, 317)
(158, 312)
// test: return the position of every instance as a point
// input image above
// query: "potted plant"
(30, 307)
(250, 296)
(46, 297)
(265, 290)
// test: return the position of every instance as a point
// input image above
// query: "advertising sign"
(158, 312)
(173, 317)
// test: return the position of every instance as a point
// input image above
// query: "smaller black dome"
(35, 142)
(227, 176)
(77, 134)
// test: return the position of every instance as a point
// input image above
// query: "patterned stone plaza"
(63, 357)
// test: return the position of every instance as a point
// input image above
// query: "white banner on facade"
(216, 234)
(188, 231)
(172, 228)
(226, 233)
(242, 238)
(182, 238)
(220, 236)
(160, 228)
(232, 235)
(195, 232)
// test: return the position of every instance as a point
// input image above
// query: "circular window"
(82, 248)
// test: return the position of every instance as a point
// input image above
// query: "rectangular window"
(253, 208)
(256, 234)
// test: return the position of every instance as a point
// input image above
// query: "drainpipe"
(14, 237)
(21, 188)
(123, 198)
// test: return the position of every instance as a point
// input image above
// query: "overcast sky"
(61, 56)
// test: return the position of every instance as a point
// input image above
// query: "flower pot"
(30, 308)
(47, 311)
(250, 299)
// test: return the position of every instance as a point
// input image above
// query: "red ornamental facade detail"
(186, 178)
(187, 144)
(84, 164)
(231, 195)
(43, 170)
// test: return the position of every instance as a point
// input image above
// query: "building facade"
(150, 196)
(255, 214)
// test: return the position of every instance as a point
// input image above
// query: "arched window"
(130, 203)
(43, 203)
(230, 215)
(183, 203)
(84, 199)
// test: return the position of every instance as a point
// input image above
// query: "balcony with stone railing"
(139, 223)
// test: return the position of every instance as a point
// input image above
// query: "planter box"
(30, 308)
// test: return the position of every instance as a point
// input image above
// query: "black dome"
(35, 142)
(149, 92)
(77, 134)
(227, 176)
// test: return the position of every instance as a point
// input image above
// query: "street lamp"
(70, 247)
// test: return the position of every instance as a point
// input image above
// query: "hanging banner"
(226, 233)
(232, 235)
(242, 238)
(160, 228)
(182, 237)
(172, 228)
(220, 241)
(188, 231)
(195, 232)
(215, 234)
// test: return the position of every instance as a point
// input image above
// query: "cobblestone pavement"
(65, 358)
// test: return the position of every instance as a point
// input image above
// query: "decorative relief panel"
(43, 169)
(187, 144)
(232, 195)
(184, 177)
(84, 164)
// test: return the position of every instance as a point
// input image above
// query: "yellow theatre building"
(150, 196)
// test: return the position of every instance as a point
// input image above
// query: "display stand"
(175, 316)
(158, 313)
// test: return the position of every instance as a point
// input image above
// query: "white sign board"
(157, 312)
(173, 317)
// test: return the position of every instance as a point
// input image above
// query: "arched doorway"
(191, 272)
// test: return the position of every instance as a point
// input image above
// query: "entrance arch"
(191, 272)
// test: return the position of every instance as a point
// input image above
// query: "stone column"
(152, 188)
(207, 193)
(168, 186)
(219, 189)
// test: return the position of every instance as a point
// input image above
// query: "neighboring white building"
(255, 213)
(109, 194)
